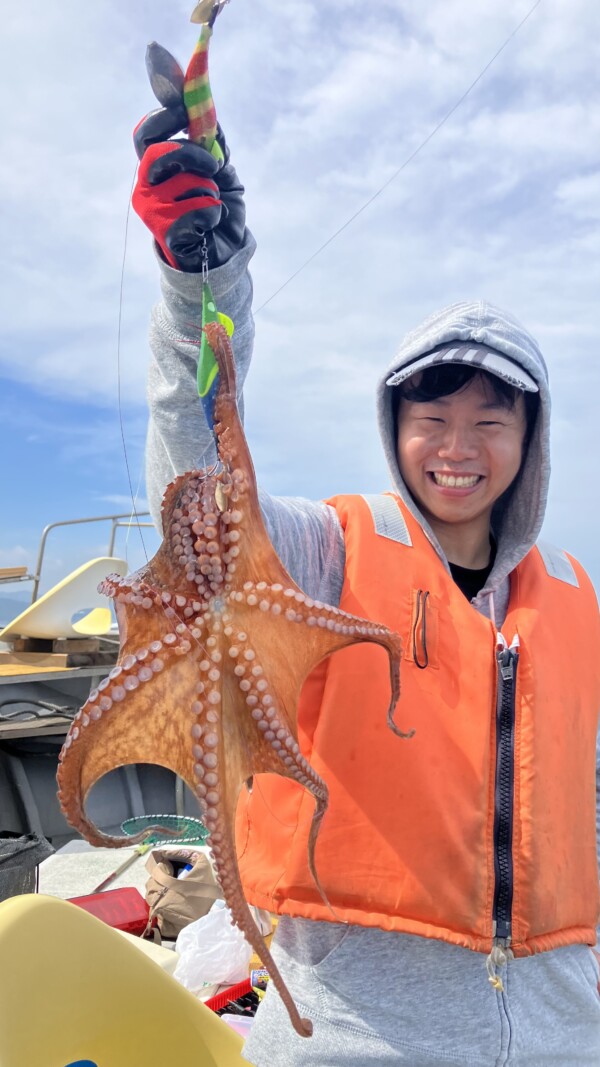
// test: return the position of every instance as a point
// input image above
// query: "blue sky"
(320, 110)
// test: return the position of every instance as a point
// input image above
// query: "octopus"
(216, 640)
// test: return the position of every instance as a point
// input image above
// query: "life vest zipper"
(507, 660)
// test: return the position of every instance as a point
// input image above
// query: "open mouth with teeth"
(455, 481)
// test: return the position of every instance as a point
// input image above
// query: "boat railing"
(116, 521)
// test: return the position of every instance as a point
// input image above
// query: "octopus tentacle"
(216, 642)
(232, 887)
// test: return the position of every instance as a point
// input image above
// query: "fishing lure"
(208, 370)
(197, 93)
(171, 86)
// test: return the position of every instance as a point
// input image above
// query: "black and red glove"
(183, 195)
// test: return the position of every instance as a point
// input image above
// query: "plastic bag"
(212, 951)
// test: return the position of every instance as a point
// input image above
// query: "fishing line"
(134, 513)
(256, 785)
(171, 614)
(130, 523)
(402, 167)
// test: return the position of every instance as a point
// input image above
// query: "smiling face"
(457, 455)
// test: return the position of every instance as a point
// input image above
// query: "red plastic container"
(124, 909)
(220, 1000)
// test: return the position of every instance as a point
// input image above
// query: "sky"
(320, 109)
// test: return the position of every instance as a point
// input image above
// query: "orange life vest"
(408, 841)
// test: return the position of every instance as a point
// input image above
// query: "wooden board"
(6, 573)
(58, 644)
(59, 660)
(14, 670)
(35, 659)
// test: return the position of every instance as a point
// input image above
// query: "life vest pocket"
(421, 643)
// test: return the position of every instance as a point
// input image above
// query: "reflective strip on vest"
(388, 519)
(557, 563)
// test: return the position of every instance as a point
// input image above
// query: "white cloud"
(580, 197)
(14, 556)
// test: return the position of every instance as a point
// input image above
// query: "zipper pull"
(506, 664)
(507, 656)
(504, 657)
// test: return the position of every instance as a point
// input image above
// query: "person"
(473, 843)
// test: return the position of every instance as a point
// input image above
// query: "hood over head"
(510, 352)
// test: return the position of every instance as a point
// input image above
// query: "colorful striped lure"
(197, 96)
(197, 93)
(198, 100)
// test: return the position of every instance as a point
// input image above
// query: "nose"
(458, 443)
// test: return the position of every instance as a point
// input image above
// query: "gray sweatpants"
(380, 999)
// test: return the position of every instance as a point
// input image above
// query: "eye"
(490, 422)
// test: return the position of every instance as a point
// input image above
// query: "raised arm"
(178, 436)
(193, 205)
(184, 196)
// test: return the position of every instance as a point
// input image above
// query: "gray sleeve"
(306, 535)
(309, 541)
(178, 438)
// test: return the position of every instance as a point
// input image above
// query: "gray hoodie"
(374, 996)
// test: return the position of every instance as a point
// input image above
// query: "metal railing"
(115, 520)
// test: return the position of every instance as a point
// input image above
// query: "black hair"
(449, 378)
